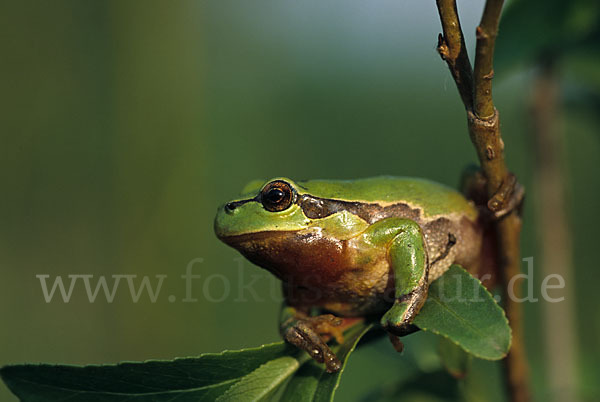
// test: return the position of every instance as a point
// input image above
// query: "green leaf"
(243, 375)
(461, 309)
(313, 383)
(188, 379)
(263, 381)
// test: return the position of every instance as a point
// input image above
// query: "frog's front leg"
(407, 255)
(304, 332)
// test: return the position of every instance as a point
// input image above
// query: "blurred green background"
(125, 124)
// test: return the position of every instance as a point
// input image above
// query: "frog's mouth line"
(236, 241)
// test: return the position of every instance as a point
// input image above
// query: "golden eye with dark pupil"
(277, 196)
(274, 196)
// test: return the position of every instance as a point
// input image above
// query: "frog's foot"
(305, 333)
(328, 324)
(508, 198)
(398, 319)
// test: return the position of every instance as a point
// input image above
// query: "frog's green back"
(433, 198)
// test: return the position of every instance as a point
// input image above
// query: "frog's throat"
(294, 256)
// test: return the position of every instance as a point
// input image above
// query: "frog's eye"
(277, 196)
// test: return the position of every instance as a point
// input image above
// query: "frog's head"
(263, 223)
(262, 207)
(283, 227)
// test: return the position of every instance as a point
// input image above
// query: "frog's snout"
(232, 207)
(226, 217)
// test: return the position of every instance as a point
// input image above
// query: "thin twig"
(484, 129)
(516, 366)
(452, 49)
(484, 54)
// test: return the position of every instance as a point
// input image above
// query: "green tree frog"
(352, 248)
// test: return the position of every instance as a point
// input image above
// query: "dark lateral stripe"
(235, 204)
(317, 208)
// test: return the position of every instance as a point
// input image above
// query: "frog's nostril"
(230, 206)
